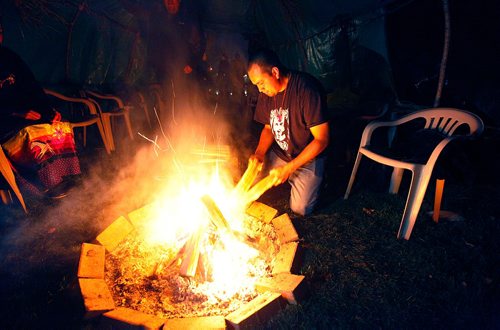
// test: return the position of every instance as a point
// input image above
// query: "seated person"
(40, 147)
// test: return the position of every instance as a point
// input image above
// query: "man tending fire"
(292, 108)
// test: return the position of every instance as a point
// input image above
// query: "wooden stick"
(192, 254)
(259, 188)
(166, 263)
(216, 215)
(253, 169)
(204, 269)
(217, 218)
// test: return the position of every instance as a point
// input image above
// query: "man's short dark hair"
(266, 59)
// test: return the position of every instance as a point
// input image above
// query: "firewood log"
(216, 215)
(247, 179)
(259, 188)
(217, 218)
(204, 268)
(192, 253)
(165, 262)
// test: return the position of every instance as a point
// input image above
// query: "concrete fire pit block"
(91, 263)
(262, 212)
(126, 318)
(96, 296)
(256, 312)
(291, 287)
(284, 229)
(115, 233)
(195, 323)
(286, 258)
(140, 217)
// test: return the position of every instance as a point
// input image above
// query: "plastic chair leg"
(84, 136)
(6, 197)
(107, 131)
(105, 141)
(8, 174)
(129, 125)
(353, 174)
(397, 175)
(416, 194)
(142, 104)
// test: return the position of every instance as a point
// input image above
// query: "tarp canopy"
(122, 42)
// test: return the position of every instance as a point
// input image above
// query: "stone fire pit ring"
(274, 292)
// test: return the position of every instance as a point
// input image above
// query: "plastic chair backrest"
(445, 120)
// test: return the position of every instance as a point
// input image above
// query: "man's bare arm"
(265, 142)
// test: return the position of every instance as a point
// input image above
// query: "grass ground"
(358, 274)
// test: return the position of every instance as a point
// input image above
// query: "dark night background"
(415, 42)
(368, 54)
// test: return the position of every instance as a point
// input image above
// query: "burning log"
(215, 214)
(166, 262)
(187, 257)
(220, 222)
(192, 253)
(204, 268)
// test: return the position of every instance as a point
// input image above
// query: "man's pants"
(305, 182)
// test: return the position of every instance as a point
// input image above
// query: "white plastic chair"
(120, 110)
(93, 114)
(8, 174)
(443, 121)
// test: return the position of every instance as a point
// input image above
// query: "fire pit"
(216, 274)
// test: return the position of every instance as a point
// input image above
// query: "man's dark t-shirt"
(292, 113)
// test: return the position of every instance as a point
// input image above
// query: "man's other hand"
(282, 173)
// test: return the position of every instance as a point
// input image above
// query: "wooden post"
(437, 199)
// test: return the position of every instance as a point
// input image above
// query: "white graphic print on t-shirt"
(279, 120)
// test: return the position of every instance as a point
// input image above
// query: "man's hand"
(265, 141)
(256, 158)
(282, 173)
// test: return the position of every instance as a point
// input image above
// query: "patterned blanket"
(46, 149)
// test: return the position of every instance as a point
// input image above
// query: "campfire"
(208, 255)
